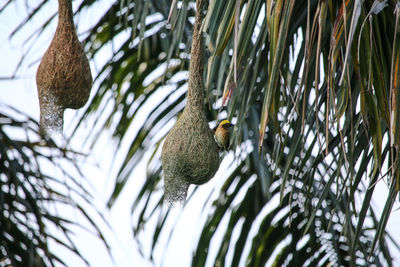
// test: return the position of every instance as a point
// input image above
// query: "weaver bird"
(222, 135)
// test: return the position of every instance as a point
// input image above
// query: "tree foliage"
(312, 87)
(38, 178)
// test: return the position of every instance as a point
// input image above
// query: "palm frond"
(31, 195)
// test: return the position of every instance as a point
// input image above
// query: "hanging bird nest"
(189, 154)
(63, 77)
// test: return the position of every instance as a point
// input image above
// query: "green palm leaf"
(30, 197)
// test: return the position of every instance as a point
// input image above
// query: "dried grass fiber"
(189, 154)
(63, 77)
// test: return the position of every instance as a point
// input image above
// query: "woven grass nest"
(189, 154)
(63, 77)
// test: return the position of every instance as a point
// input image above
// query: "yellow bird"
(222, 135)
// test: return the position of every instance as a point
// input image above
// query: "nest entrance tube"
(63, 77)
(175, 190)
(51, 115)
(190, 154)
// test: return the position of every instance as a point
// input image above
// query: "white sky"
(22, 94)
